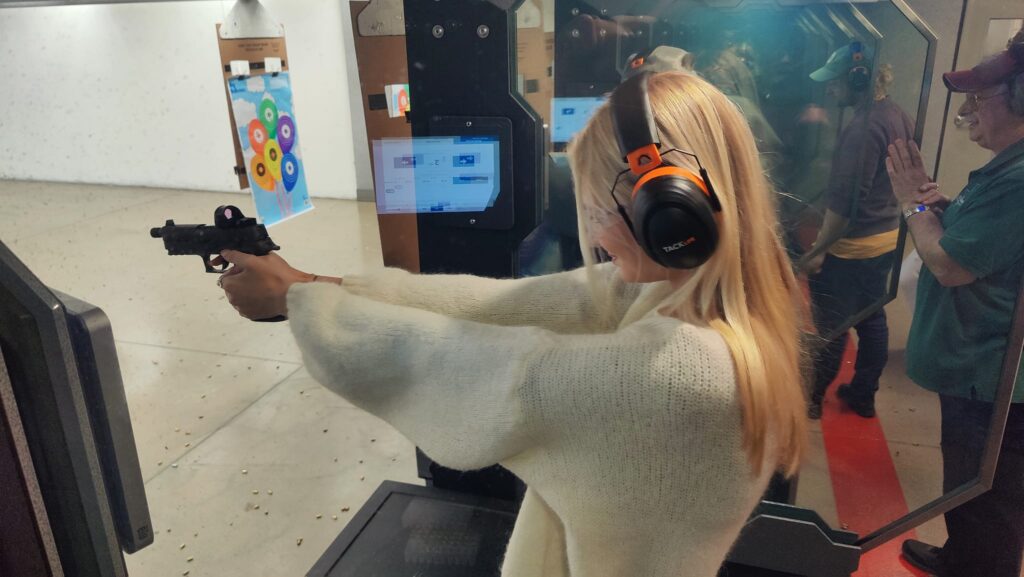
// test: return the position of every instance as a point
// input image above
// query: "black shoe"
(814, 410)
(923, 556)
(814, 407)
(861, 406)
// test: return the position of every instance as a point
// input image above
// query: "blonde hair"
(746, 291)
(883, 80)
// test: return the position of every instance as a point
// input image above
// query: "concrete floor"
(243, 454)
(246, 459)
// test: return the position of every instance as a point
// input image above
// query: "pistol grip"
(276, 319)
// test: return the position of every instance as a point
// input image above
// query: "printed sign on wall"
(262, 106)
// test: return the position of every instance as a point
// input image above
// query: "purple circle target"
(285, 133)
(289, 171)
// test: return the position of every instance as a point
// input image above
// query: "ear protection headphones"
(673, 207)
(859, 76)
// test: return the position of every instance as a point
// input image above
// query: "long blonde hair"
(746, 291)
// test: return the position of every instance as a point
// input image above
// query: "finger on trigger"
(235, 257)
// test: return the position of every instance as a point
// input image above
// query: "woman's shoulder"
(686, 352)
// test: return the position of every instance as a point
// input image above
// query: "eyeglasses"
(973, 99)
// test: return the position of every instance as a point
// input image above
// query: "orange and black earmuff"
(673, 208)
(859, 76)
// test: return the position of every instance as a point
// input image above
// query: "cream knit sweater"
(628, 437)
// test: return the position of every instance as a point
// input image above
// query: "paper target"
(285, 133)
(260, 173)
(289, 171)
(257, 136)
(268, 116)
(266, 129)
(272, 154)
(403, 101)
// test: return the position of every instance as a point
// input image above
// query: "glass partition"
(819, 84)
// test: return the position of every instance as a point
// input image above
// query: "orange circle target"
(260, 174)
(258, 136)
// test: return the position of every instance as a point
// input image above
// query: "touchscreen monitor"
(570, 115)
(436, 174)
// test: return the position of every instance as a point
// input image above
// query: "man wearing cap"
(973, 253)
(850, 261)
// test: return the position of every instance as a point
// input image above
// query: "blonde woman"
(645, 407)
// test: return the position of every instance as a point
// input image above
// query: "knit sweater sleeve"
(469, 394)
(561, 302)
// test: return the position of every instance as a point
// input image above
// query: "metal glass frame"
(919, 121)
(990, 456)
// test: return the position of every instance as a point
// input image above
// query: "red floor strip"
(864, 480)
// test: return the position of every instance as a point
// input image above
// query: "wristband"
(907, 213)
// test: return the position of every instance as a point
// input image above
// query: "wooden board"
(382, 60)
(254, 50)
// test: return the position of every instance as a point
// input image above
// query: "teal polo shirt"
(959, 335)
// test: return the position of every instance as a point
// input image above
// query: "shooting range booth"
(495, 91)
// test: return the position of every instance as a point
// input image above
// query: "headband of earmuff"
(673, 208)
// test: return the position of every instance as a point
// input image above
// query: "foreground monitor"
(79, 501)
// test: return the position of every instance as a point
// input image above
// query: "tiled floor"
(224, 414)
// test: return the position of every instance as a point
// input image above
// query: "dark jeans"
(840, 291)
(986, 534)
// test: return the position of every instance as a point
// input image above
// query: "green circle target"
(268, 117)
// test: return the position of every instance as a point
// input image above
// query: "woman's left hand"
(257, 286)
(906, 171)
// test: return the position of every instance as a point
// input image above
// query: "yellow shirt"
(865, 247)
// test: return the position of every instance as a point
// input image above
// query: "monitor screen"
(436, 174)
(570, 115)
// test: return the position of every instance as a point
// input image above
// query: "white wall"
(132, 94)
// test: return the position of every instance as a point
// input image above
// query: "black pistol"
(231, 230)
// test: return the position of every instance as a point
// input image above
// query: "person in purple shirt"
(849, 264)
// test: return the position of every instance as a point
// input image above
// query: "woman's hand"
(257, 286)
(906, 171)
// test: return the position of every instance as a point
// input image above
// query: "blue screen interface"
(436, 174)
(570, 115)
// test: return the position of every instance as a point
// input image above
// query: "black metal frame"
(362, 518)
(990, 456)
(483, 35)
(40, 361)
(922, 109)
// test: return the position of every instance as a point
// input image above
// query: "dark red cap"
(990, 72)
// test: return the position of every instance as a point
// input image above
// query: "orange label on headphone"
(644, 159)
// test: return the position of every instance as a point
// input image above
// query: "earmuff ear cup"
(859, 78)
(675, 223)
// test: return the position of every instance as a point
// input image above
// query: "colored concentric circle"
(289, 171)
(286, 133)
